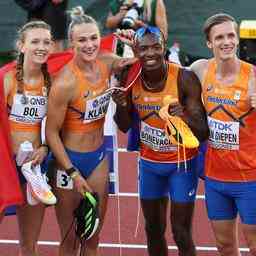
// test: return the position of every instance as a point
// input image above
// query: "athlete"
(227, 86)
(26, 86)
(78, 103)
(163, 172)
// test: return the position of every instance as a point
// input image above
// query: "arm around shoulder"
(191, 99)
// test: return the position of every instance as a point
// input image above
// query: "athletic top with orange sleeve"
(87, 112)
(232, 143)
(154, 143)
(27, 110)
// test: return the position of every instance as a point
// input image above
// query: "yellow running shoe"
(178, 131)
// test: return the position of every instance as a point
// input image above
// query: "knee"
(155, 230)
(181, 235)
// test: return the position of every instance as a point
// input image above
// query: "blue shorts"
(225, 199)
(157, 180)
(87, 162)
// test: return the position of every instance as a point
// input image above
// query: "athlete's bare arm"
(199, 67)
(60, 95)
(115, 63)
(190, 97)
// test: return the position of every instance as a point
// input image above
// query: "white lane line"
(126, 246)
(136, 195)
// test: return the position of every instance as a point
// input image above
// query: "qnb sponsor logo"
(221, 101)
(101, 100)
(220, 126)
(34, 101)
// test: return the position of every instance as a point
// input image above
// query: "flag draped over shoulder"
(10, 192)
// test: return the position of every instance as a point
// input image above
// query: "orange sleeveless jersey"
(232, 144)
(87, 112)
(27, 110)
(154, 143)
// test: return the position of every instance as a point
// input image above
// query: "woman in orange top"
(26, 87)
(230, 185)
(78, 103)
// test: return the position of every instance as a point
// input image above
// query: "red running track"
(110, 241)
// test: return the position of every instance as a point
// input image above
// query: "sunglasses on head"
(147, 30)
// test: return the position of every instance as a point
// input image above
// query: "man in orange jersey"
(230, 186)
(166, 170)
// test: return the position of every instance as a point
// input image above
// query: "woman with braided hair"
(26, 88)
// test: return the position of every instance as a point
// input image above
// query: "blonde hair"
(79, 17)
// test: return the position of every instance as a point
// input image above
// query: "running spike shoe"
(178, 131)
(39, 187)
(87, 216)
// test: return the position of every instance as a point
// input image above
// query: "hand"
(121, 63)
(139, 23)
(119, 97)
(175, 109)
(122, 11)
(38, 155)
(126, 36)
(253, 100)
(81, 185)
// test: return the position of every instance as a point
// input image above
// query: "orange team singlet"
(154, 142)
(232, 121)
(27, 110)
(87, 112)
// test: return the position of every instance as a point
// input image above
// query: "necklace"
(162, 81)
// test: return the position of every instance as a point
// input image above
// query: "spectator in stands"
(150, 12)
(53, 12)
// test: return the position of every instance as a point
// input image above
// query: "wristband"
(71, 170)
(46, 146)
(74, 174)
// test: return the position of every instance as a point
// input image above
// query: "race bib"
(155, 138)
(223, 135)
(63, 180)
(28, 108)
(96, 108)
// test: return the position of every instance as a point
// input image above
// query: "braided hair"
(20, 58)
